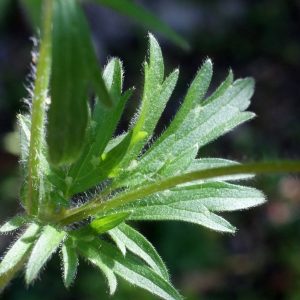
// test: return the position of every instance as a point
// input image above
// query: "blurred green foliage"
(256, 38)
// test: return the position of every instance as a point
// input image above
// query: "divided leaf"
(92, 254)
(137, 184)
(195, 204)
(158, 165)
(128, 267)
(194, 96)
(179, 164)
(95, 166)
(209, 121)
(195, 125)
(147, 166)
(137, 244)
(221, 89)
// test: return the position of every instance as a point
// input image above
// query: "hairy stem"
(250, 168)
(38, 111)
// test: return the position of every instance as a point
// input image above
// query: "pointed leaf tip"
(15, 223)
(70, 261)
(126, 237)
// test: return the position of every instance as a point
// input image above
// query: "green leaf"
(220, 196)
(119, 242)
(141, 172)
(15, 223)
(127, 267)
(109, 222)
(101, 225)
(113, 78)
(158, 165)
(154, 159)
(155, 96)
(100, 168)
(200, 126)
(205, 123)
(91, 168)
(17, 254)
(115, 141)
(195, 204)
(193, 98)
(137, 244)
(135, 12)
(92, 254)
(221, 89)
(179, 164)
(74, 67)
(54, 174)
(69, 261)
(47, 243)
(68, 113)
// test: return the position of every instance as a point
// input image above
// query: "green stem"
(38, 111)
(250, 168)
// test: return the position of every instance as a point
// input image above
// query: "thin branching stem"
(249, 168)
(38, 111)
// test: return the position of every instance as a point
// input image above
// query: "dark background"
(255, 38)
